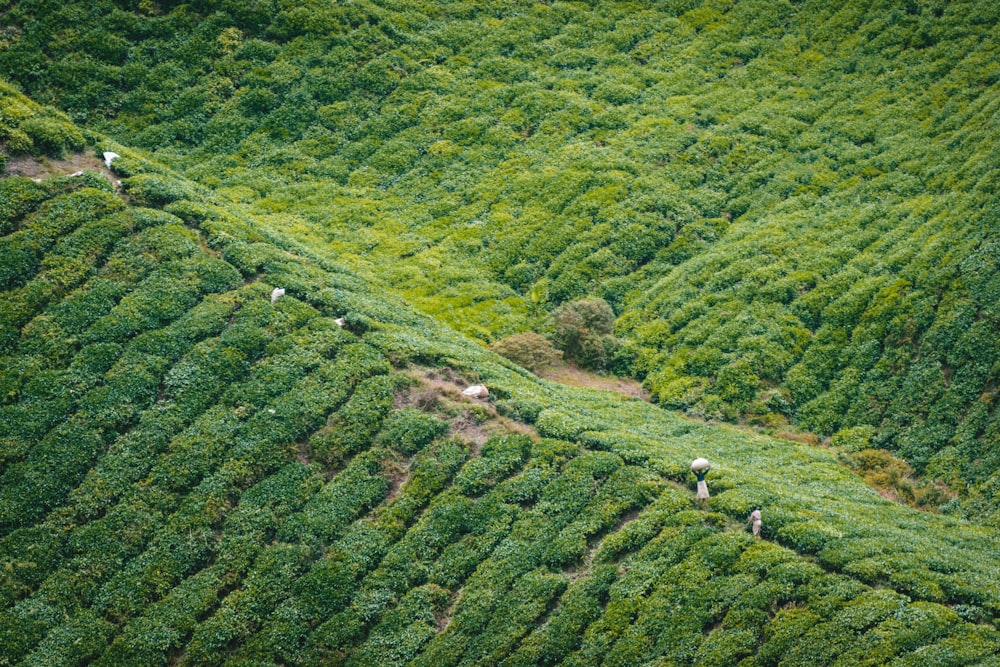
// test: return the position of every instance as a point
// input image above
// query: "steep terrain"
(790, 205)
(196, 473)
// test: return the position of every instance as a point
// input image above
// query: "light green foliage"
(784, 233)
(26, 127)
(789, 206)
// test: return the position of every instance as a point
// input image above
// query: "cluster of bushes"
(193, 473)
(894, 477)
(201, 475)
(782, 235)
(581, 332)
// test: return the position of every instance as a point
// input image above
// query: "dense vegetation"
(788, 208)
(194, 473)
(791, 206)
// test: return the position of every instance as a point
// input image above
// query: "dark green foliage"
(353, 428)
(46, 475)
(497, 459)
(20, 252)
(409, 430)
(790, 207)
(523, 411)
(582, 330)
(20, 196)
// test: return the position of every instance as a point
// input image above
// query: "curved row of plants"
(195, 473)
(790, 206)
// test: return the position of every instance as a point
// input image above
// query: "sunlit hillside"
(253, 252)
(790, 206)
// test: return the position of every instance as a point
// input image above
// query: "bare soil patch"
(43, 167)
(577, 377)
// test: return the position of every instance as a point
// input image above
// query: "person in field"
(755, 523)
(700, 468)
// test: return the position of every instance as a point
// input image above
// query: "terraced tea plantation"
(194, 473)
(253, 252)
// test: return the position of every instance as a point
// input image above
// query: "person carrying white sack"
(755, 522)
(700, 468)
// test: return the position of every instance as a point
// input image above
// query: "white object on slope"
(477, 391)
(340, 321)
(109, 157)
(276, 293)
(700, 464)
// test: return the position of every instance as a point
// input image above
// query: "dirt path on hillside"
(577, 377)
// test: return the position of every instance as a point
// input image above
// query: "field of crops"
(782, 214)
(196, 473)
(790, 206)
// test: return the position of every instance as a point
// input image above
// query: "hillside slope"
(791, 206)
(193, 473)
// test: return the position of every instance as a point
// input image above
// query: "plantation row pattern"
(195, 474)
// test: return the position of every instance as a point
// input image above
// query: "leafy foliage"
(786, 232)
(528, 349)
(582, 330)
(788, 206)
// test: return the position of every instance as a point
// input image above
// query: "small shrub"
(581, 329)
(155, 191)
(52, 137)
(528, 349)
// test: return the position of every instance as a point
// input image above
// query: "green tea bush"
(360, 485)
(51, 136)
(553, 423)
(167, 623)
(523, 411)
(242, 612)
(498, 458)
(409, 430)
(354, 427)
(428, 475)
(20, 197)
(156, 190)
(29, 491)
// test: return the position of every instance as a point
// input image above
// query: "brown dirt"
(577, 377)
(397, 477)
(442, 617)
(439, 391)
(43, 167)
(630, 516)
